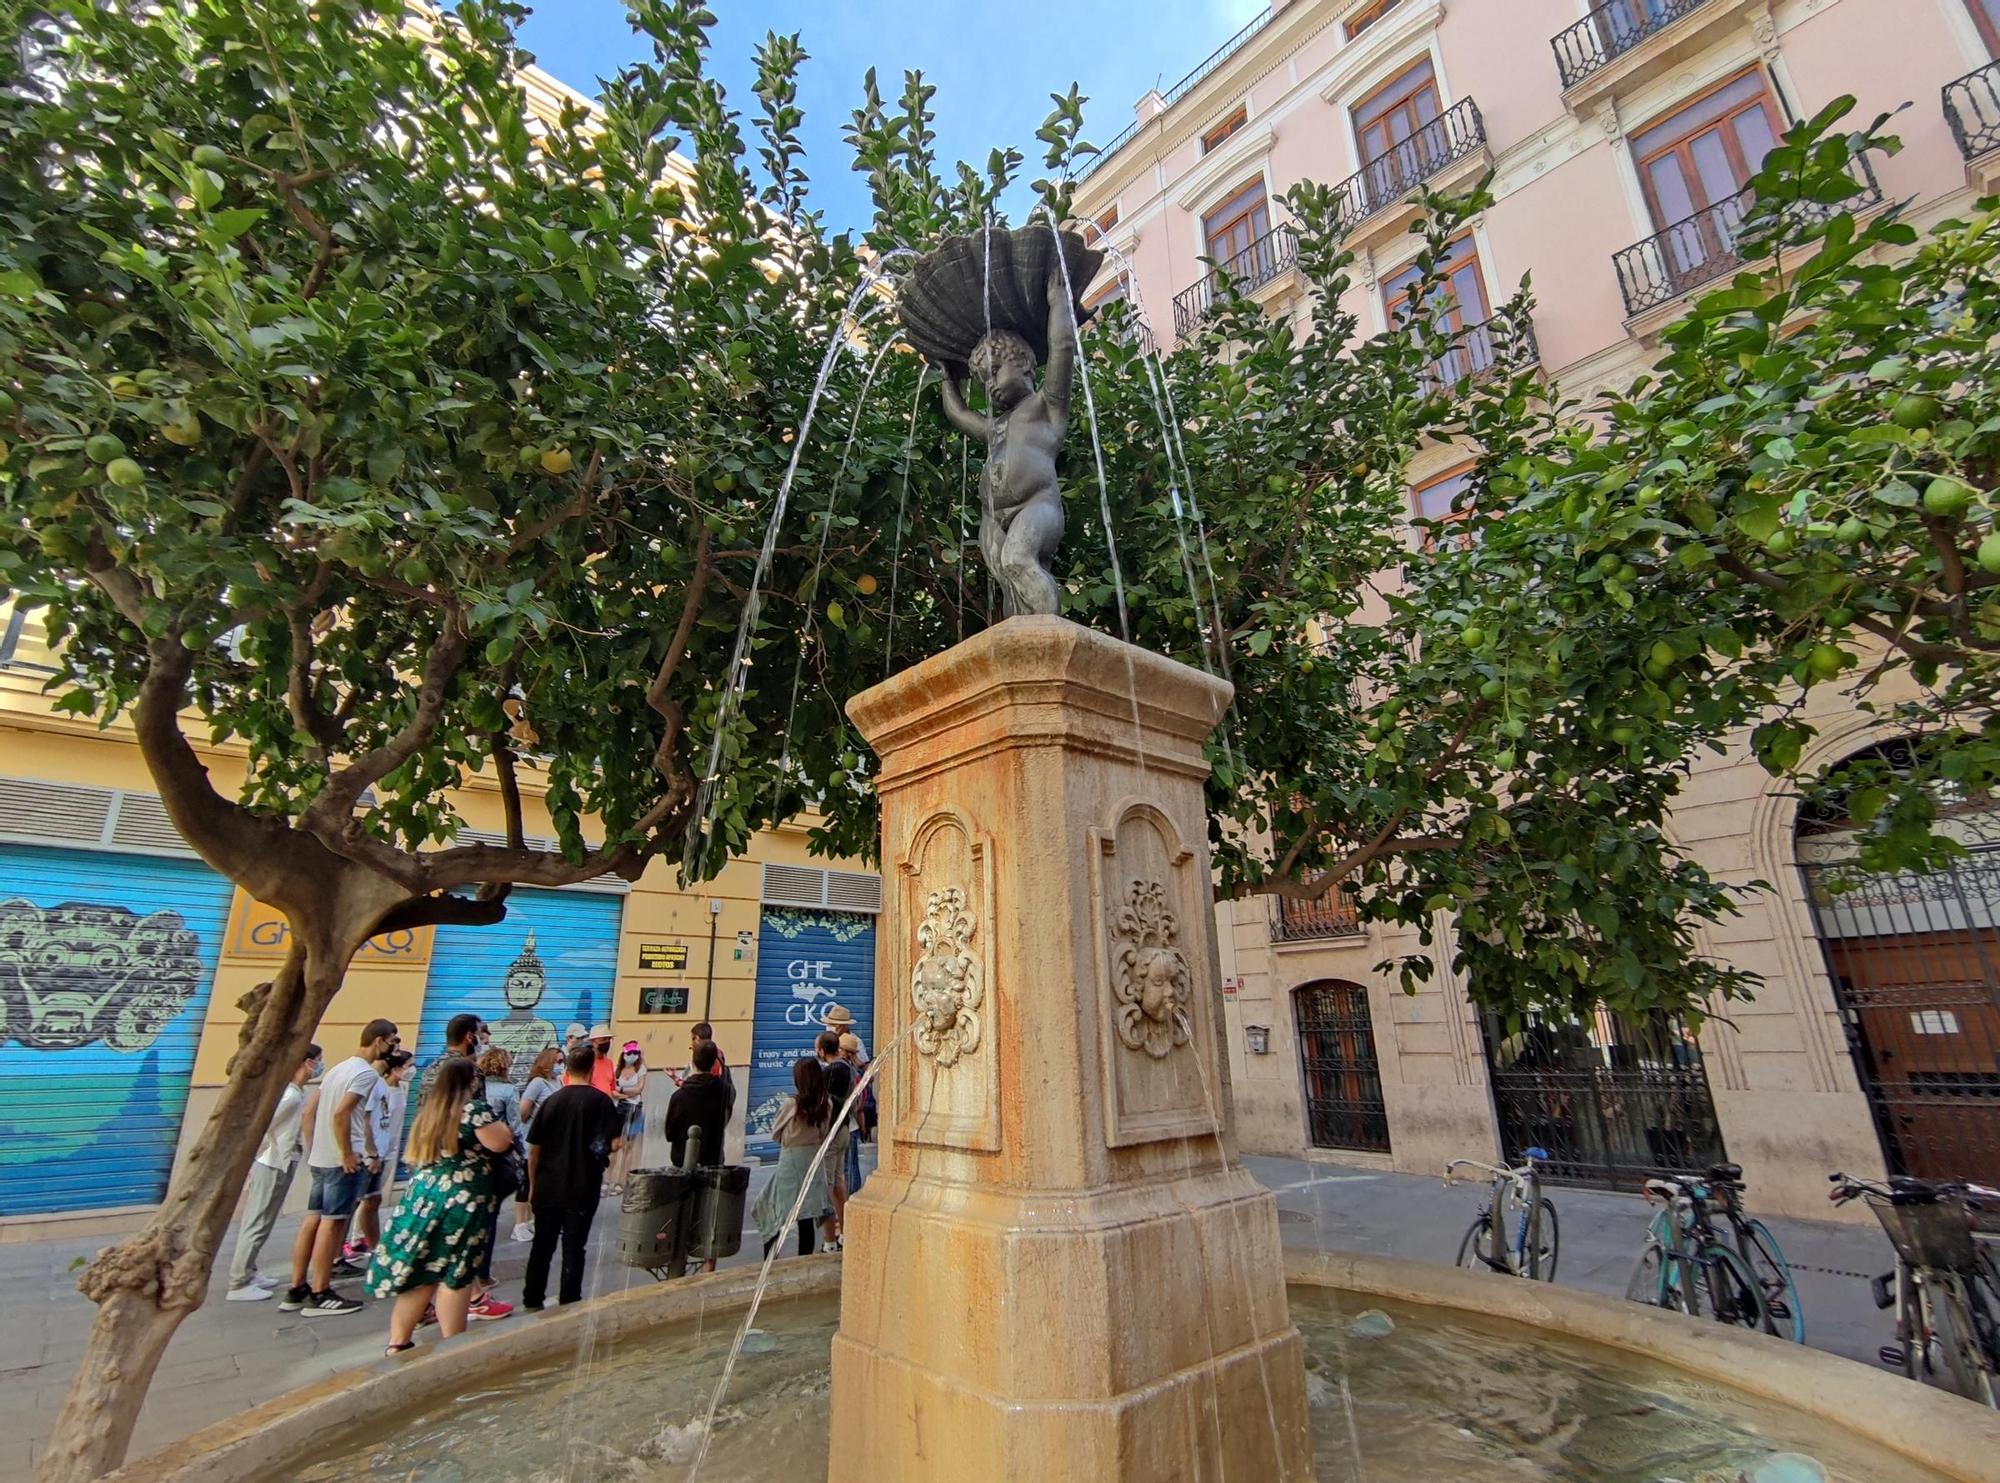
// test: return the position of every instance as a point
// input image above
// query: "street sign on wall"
(807, 962)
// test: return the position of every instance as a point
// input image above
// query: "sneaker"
(346, 1268)
(356, 1249)
(249, 1292)
(430, 1315)
(295, 1299)
(269, 1284)
(525, 1231)
(487, 1309)
(328, 1304)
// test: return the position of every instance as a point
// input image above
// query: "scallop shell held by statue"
(954, 295)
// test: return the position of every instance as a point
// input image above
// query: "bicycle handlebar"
(1496, 1170)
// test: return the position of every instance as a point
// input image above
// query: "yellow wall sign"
(260, 931)
(662, 957)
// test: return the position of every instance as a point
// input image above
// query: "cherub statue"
(1020, 503)
(995, 305)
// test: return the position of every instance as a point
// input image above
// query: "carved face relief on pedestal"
(1149, 974)
(944, 985)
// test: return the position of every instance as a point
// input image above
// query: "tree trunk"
(148, 1283)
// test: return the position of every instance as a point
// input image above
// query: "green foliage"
(407, 385)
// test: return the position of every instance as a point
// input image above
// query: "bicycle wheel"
(1958, 1342)
(1766, 1259)
(1547, 1243)
(1475, 1252)
(1733, 1293)
(1648, 1282)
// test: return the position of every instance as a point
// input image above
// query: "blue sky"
(994, 64)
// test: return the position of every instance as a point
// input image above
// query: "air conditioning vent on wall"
(41, 812)
(828, 890)
(554, 847)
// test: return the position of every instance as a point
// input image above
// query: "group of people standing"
(823, 1103)
(557, 1144)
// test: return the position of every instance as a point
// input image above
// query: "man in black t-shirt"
(572, 1137)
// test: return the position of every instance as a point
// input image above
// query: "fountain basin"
(1422, 1372)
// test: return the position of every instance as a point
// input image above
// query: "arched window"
(1341, 1072)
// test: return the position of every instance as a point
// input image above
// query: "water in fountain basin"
(1444, 1396)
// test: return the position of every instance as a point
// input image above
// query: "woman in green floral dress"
(432, 1249)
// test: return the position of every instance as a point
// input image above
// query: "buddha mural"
(522, 1031)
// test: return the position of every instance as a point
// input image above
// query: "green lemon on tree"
(124, 473)
(1989, 553)
(1850, 531)
(1826, 661)
(1778, 542)
(1947, 497)
(1492, 690)
(1504, 759)
(1913, 410)
(835, 614)
(103, 447)
(556, 460)
(1624, 734)
(1474, 637)
(183, 431)
(123, 386)
(725, 482)
(209, 157)
(6, 403)
(1662, 654)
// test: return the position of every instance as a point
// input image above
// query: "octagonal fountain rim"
(1939, 1431)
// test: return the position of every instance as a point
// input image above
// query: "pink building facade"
(1619, 137)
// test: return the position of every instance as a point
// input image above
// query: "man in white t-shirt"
(341, 1155)
(270, 1180)
(385, 1130)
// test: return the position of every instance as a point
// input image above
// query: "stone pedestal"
(1059, 1269)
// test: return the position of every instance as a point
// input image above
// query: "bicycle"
(1785, 1315)
(1687, 1267)
(1527, 1246)
(1944, 1287)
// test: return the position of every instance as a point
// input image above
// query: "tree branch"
(331, 814)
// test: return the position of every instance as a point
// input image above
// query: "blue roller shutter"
(807, 962)
(560, 947)
(106, 965)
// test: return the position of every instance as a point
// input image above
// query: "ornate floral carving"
(1149, 974)
(945, 984)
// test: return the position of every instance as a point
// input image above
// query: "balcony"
(1271, 255)
(1457, 134)
(1612, 30)
(1331, 915)
(1703, 247)
(1481, 347)
(1972, 108)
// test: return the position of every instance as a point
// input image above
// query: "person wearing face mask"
(270, 1181)
(629, 1091)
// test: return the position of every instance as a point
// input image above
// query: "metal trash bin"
(715, 1226)
(652, 1221)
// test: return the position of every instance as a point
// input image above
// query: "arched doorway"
(1915, 964)
(1339, 1067)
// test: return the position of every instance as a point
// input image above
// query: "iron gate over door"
(1915, 964)
(1343, 1077)
(1614, 1102)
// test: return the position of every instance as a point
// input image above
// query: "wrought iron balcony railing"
(1451, 136)
(1705, 246)
(1331, 915)
(1257, 264)
(1972, 108)
(1610, 31)
(1478, 348)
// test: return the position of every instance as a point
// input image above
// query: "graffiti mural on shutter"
(549, 964)
(807, 962)
(106, 964)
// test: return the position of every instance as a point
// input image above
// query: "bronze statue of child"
(1021, 508)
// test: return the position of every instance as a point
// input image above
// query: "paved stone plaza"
(230, 1356)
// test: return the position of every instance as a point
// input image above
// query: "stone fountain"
(1059, 1268)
